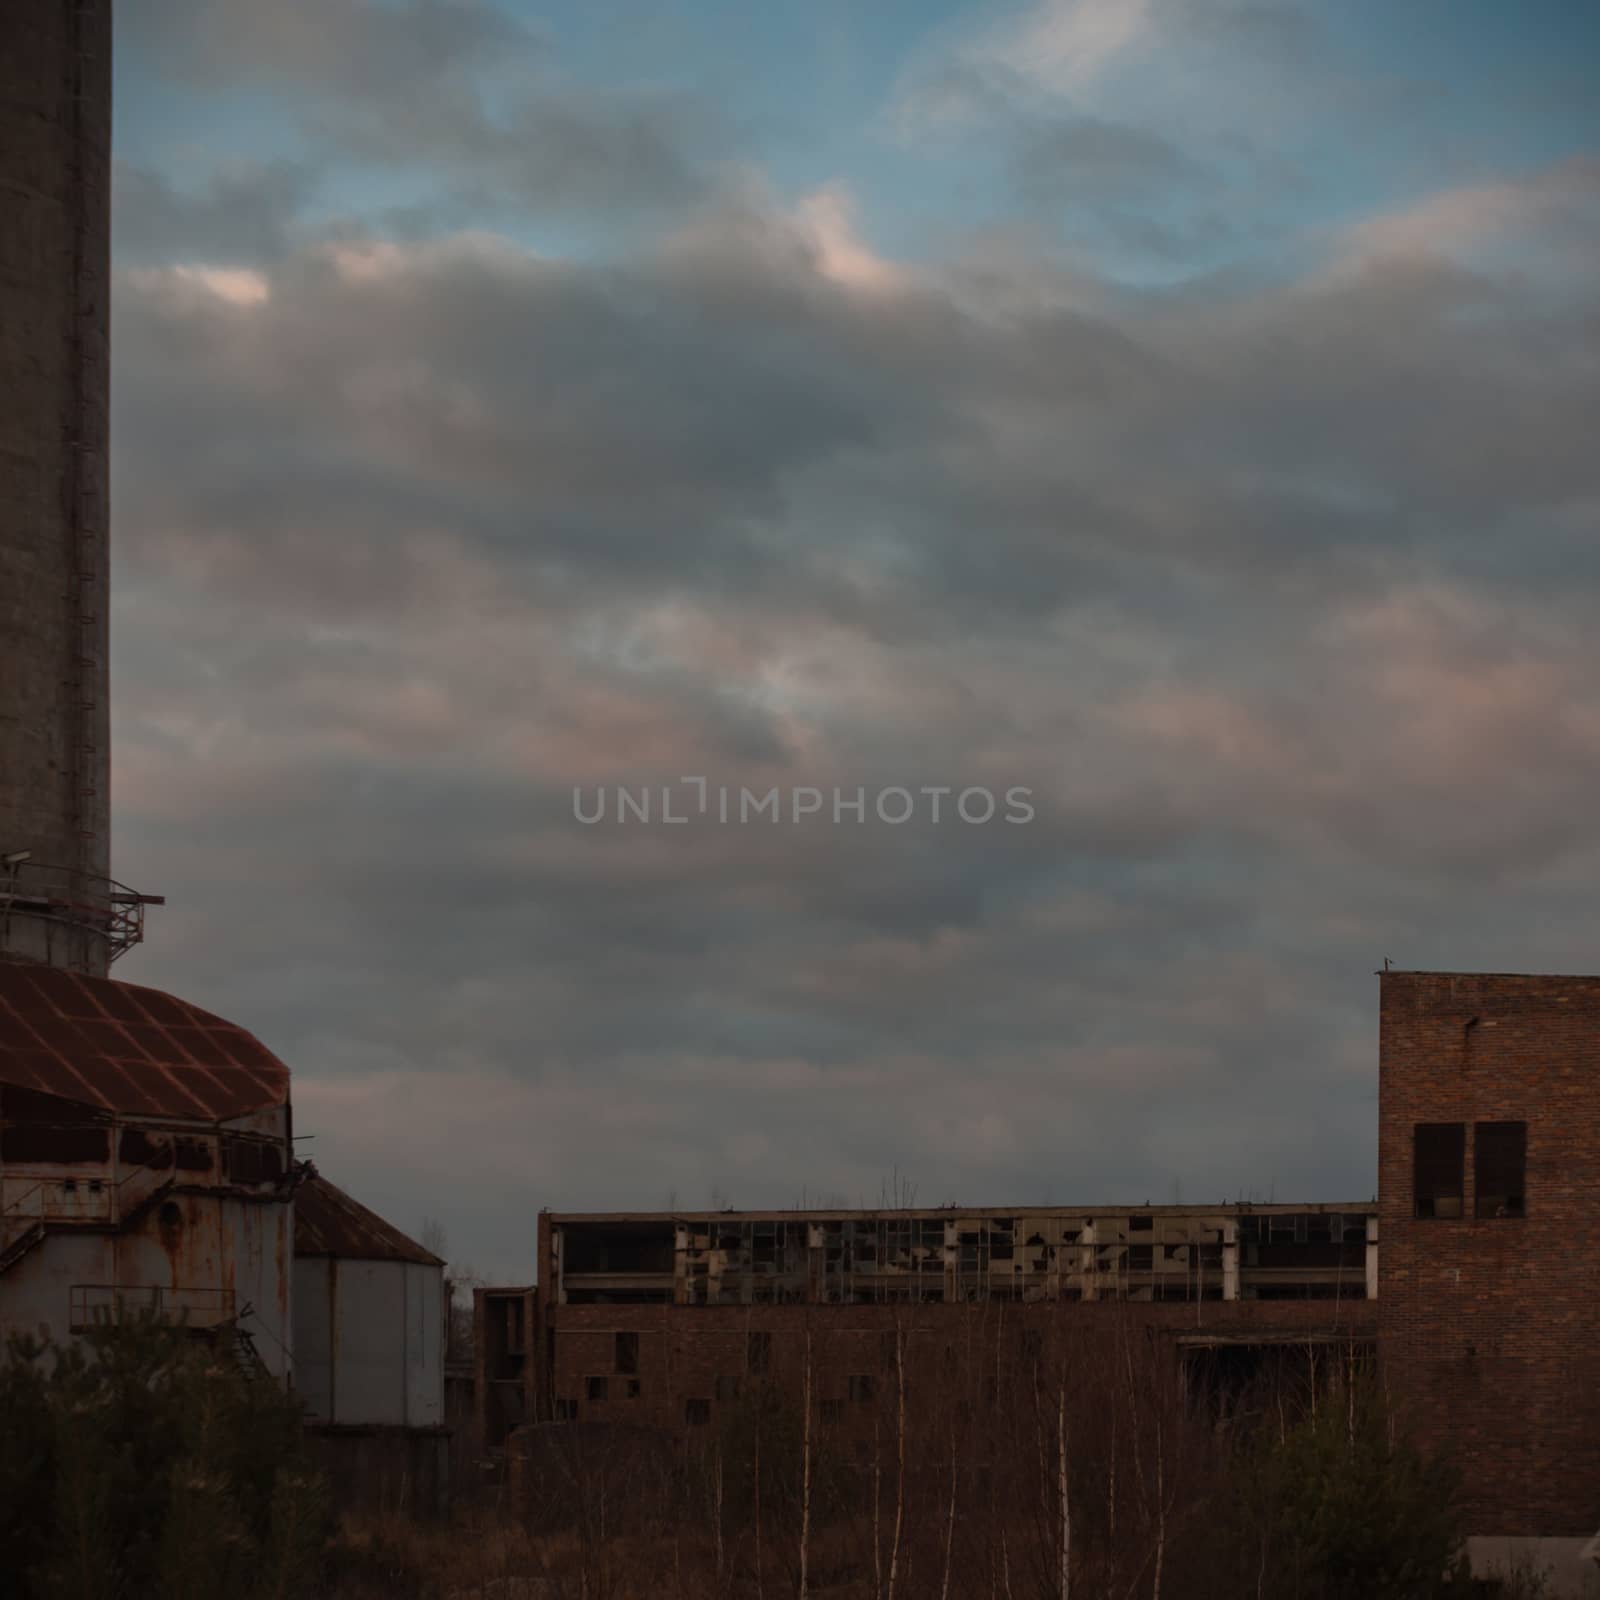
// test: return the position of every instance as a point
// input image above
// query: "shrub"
(139, 1462)
(1340, 1508)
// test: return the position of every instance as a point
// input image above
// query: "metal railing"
(60, 1200)
(77, 902)
(96, 1304)
(92, 1200)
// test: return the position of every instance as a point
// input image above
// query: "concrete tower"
(56, 902)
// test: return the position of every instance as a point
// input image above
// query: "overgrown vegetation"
(1066, 1466)
(139, 1462)
(1337, 1507)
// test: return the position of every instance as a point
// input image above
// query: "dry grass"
(483, 1555)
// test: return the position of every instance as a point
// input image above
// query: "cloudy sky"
(1183, 409)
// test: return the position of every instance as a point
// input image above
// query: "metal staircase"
(28, 1239)
(244, 1347)
(124, 1203)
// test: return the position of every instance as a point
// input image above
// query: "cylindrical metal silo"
(55, 183)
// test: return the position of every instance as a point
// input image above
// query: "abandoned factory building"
(145, 1160)
(1489, 1205)
(369, 1340)
(1472, 1277)
(658, 1319)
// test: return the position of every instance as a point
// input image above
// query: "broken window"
(1141, 1257)
(697, 1413)
(758, 1352)
(627, 1354)
(29, 1141)
(594, 1388)
(1439, 1153)
(1182, 1289)
(642, 1247)
(1499, 1157)
(1141, 1224)
(253, 1161)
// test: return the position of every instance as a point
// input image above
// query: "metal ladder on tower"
(244, 1346)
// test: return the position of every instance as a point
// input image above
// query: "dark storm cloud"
(458, 95)
(1277, 596)
(338, 48)
(727, 415)
(242, 214)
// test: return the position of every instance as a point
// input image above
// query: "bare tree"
(900, 1450)
(1061, 1484)
(805, 1463)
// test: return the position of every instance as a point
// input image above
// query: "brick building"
(1489, 1202)
(659, 1319)
(1483, 1303)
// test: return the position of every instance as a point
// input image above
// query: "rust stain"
(122, 1047)
(229, 1245)
(169, 1230)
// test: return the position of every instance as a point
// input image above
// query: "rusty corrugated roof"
(121, 1047)
(327, 1222)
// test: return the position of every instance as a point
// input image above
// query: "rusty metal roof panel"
(124, 1048)
(328, 1222)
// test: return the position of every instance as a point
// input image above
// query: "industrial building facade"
(370, 1310)
(1475, 1276)
(146, 1162)
(146, 1147)
(1489, 1202)
(55, 291)
(662, 1320)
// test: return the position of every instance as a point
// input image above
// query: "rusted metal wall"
(192, 1221)
(369, 1341)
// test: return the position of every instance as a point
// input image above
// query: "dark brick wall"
(1490, 1330)
(684, 1350)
